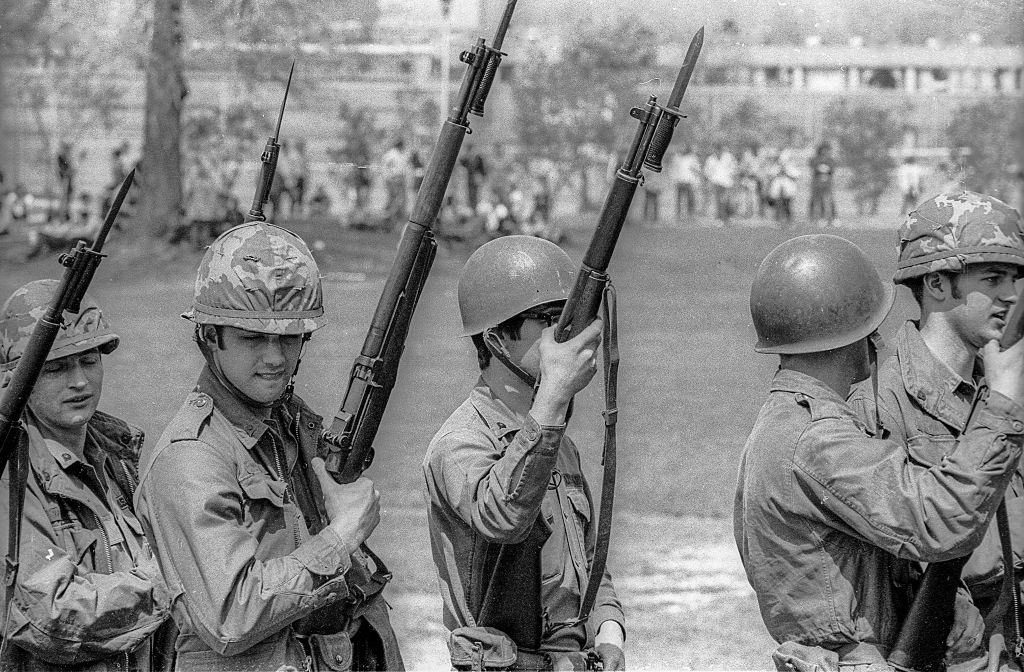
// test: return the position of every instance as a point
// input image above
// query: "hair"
(510, 328)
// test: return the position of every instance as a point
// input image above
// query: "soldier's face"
(985, 295)
(259, 365)
(68, 391)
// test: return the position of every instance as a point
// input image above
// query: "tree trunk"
(159, 176)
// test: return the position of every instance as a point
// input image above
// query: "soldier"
(960, 253)
(502, 459)
(88, 595)
(261, 546)
(830, 522)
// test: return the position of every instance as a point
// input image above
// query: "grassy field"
(690, 387)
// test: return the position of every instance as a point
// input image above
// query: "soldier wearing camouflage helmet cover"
(502, 459)
(830, 522)
(264, 549)
(88, 594)
(960, 254)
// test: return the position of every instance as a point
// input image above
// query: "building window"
(404, 67)
(882, 78)
(940, 74)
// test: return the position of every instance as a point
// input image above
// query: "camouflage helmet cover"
(948, 231)
(509, 275)
(259, 277)
(79, 332)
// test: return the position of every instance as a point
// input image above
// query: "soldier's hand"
(353, 508)
(612, 657)
(968, 626)
(1005, 369)
(565, 369)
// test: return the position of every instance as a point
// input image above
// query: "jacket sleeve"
(920, 513)
(65, 615)
(497, 493)
(231, 596)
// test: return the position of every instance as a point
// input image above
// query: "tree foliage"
(865, 134)
(986, 139)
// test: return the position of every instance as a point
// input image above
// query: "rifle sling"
(610, 347)
(18, 475)
(1011, 620)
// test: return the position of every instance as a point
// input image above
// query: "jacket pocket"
(334, 651)
(929, 449)
(263, 504)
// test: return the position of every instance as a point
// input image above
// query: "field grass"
(690, 387)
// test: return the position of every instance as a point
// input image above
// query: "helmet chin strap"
(500, 352)
(211, 361)
(874, 343)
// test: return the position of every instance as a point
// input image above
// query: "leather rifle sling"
(1011, 621)
(604, 523)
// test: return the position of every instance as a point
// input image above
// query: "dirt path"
(687, 601)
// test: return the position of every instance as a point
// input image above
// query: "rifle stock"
(921, 644)
(349, 440)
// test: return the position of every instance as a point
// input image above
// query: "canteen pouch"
(481, 648)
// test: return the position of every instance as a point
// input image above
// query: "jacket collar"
(249, 423)
(788, 380)
(499, 417)
(930, 382)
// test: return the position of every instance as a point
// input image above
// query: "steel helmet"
(79, 332)
(259, 277)
(508, 275)
(956, 228)
(815, 293)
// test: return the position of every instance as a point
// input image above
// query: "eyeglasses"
(549, 316)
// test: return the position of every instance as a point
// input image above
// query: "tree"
(986, 139)
(160, 169)
(865, 134)
(576, 107)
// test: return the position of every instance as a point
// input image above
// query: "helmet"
(259, 277)
(511, 274)
(815, 293)
(78, 332)
(955, 228)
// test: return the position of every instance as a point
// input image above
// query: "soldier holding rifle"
(502, 465)
(262, 548)
(830, 522)
(960, 254)
(88, 594)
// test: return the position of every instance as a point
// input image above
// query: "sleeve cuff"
(607, 612)
(547, 437)
(324, 554)
(1006, 409)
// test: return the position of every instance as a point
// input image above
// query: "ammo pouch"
(793, 657)
(481, 648)
(476, 649)
(331, 652)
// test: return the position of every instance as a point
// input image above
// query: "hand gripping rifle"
(350, 437)
(268, 162)
(512, 601)
(80, 265)
(921, 645)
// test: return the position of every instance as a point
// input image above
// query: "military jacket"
(828, 519)
(228, 497)
(923, 405)
(88, 594)
(488, 476)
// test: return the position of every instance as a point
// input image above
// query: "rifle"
(512, 600)
(921, 644)
(80, 265)
(268, 163)
(350, 437)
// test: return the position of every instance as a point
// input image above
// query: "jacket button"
(311, 424)
(338, 658)
(921, 395)
(67, 456)
(200, 402)
(1018, 426)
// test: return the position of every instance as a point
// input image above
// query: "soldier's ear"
(936, 286)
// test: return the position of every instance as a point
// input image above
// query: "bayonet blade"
(686, 70)
(280, 115)
(115, 207)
